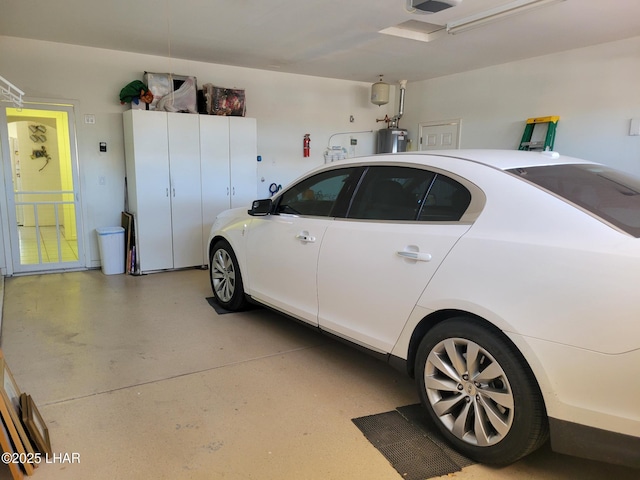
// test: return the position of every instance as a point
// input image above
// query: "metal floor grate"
(408, 440)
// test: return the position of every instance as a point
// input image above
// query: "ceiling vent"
(431, 6)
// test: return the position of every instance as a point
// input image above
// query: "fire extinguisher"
(306, 144)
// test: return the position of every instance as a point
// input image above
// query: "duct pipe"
(403, 86)
(393, 122)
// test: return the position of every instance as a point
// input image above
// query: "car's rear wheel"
(479, 392)
(226, 280)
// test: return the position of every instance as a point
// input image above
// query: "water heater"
(392, 140)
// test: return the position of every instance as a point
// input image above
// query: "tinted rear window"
(612, 195)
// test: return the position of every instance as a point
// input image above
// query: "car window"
(609, 194)
(447, 200)
(317, 195)
(391, 193)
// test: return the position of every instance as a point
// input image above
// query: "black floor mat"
(219, 310)
(409, 441)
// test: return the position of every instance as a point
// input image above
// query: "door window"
(321, 195)
(391, 193)
(409, 194)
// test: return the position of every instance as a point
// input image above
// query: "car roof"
(500, 159)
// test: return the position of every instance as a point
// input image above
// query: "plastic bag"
(184, 99)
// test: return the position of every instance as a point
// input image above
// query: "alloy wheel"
(223, 275)
(469, 392)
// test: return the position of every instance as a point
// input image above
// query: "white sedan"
(507, 283)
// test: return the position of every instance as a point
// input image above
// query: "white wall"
(285, 106)
(594, 90)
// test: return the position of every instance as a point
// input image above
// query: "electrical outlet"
(90, 119)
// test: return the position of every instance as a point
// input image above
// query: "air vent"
(432, 6)
(415, 30)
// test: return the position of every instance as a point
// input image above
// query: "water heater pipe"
(403, 86)
(393, 123)
(346, 133)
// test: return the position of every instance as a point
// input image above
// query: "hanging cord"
(170, 71)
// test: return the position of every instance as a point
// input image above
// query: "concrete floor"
(142, 379)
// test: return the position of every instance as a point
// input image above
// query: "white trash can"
(111, 245)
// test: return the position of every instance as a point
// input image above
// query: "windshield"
(612, 195)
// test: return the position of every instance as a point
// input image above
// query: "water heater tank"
(392, 140)
(380, 93)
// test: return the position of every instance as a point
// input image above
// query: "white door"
(229, 172)
(282, 249)
(243, 153)
(41, 172)
(375, 307)
(282, 255)
(148, 183)
(443, 135)
(390, 232)
(186, 198)
(214, 157)
(14, 145)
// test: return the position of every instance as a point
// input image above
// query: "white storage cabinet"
(163, 181)
(228, 154)
(182, 170)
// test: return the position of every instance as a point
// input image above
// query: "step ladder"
(527, 144)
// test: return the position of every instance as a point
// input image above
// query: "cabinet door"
(243, 152)
(214, 158)
(186, 198)
(148, 186)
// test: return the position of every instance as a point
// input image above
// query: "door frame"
(439, 123)
(8, 225)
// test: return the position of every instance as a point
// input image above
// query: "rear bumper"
(593, 443)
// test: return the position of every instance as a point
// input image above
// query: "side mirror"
(260, 207)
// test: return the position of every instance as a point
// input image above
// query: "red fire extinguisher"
(306, 148)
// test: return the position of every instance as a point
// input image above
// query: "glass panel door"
(42, 200)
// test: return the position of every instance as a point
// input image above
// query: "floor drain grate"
(408, 440)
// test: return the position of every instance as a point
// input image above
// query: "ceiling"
(326, 38)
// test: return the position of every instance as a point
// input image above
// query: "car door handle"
(420, 257)
(305, 237)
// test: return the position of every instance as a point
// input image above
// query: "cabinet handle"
(167, 193)
(174, 192)
(234, 190)
(227, 191)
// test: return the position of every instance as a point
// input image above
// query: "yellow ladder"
(527, 144)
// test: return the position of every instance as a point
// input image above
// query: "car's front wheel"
(478, 390)
(225, 277)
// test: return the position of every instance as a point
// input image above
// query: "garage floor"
(142, 379)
